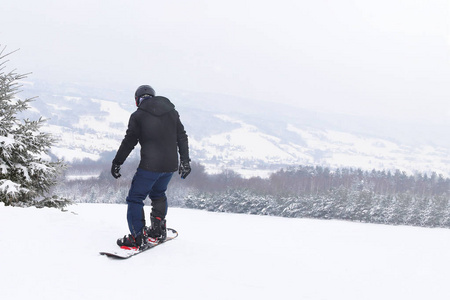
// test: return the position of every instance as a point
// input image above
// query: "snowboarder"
(157, 127)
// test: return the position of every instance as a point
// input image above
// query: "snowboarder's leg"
(158, 232)
(138, 237)
(159, 207)
(135, 217)
(140, 188)
(158, 195)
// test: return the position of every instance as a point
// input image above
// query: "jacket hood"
(156, 106)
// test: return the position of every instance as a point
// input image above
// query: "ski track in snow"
(49, 254)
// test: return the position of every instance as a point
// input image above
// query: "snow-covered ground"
(49, 254)
(241, 135)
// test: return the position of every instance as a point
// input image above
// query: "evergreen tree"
(26, 174)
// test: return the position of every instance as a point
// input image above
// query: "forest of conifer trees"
(375, 196)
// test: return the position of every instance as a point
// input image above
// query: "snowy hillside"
(251, 138)
(48, 254)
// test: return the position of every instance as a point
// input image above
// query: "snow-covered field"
(241, 136)
(49, 254)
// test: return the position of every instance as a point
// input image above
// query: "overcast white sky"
(384, 57)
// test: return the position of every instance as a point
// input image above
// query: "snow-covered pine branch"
(26, 175)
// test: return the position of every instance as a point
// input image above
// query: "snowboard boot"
(130, 242)
(157, 233)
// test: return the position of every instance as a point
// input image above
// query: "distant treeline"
(301, 192)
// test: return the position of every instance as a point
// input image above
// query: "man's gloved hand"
(184, 169)
(115, 170)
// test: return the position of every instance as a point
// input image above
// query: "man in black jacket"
(157, 127)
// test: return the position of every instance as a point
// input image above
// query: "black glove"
(115, 170)
(184, 169)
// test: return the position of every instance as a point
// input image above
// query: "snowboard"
(122, 253)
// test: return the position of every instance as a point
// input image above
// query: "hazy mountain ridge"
(250, 137)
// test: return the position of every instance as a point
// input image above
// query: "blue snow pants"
(146, 183)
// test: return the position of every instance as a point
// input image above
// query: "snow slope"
(49, 254)
(251, 137)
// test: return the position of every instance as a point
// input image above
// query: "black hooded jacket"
(157, 127)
